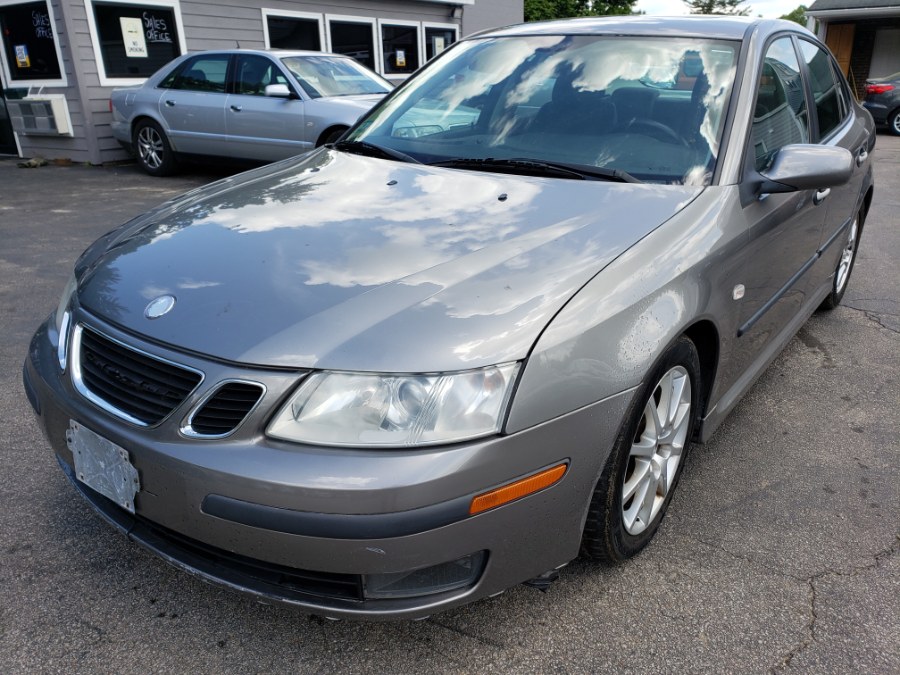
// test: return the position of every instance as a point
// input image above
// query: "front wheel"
(844, 267)
(154, 154)
(640, 476)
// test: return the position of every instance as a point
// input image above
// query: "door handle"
(236, 108)
(821, 195)
(862, 156)
(170, 103)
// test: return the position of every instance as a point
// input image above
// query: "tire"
(620, 522)
(331, 135)
(845, 265)
(154, 153)
(894, 122)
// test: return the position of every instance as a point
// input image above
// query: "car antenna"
(237, 44)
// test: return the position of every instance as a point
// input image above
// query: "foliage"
(731, 7)
(797, 16)
(543, 10)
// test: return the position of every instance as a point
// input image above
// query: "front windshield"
(651, 107)
(333, 76)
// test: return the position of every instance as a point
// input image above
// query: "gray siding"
(491, 14)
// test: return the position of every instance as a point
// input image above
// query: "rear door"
(193, 105)
(263, 127)
(835, 126)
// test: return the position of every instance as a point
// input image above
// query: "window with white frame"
(399, 47)
(293, 30)
(438, 36)
(132, 40)
(31, 52)
(353, 36)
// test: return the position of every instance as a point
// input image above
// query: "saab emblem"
(160, 306)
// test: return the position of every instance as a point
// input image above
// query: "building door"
(840, 41)
(7, 140)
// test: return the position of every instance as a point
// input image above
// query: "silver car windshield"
(322, 76)
(650, 107)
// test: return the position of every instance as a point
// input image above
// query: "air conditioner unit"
(42, 115)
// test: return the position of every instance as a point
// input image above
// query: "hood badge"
(159, 306)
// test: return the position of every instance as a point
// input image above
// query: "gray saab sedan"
(242, 104)
(430, 361)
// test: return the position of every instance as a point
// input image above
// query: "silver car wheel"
(843, 270)
(150, 147)
(656, 450)
(895, 123)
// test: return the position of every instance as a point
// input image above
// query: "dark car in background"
(477, 335)
(242, 104)
(883, 101)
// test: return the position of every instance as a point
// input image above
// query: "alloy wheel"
(656, 450)
(150, 147)
(843, 270)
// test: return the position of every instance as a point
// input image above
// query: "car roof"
(718, 27)
(278, 53)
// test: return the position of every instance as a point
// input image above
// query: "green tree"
(797, 16)
(543, 10)
(731, 7)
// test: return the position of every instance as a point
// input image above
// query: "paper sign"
(400, 58)
(22, 59)
(133, 37)
(439, 44)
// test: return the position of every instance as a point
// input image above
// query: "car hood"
(348, 262)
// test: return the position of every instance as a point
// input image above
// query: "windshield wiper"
(539, 167)
(371, 150)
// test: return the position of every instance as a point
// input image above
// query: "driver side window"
(780, 116)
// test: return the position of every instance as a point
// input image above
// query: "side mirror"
(278, 91)
(806, 167)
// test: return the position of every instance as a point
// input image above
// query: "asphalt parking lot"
(779, 554)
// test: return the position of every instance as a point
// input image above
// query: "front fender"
(609, 335)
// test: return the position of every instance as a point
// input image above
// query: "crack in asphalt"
(812, 591)
(874, 317)
(812, 594)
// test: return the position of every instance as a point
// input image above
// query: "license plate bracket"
(103, 466)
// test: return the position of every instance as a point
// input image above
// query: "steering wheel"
(657, 130)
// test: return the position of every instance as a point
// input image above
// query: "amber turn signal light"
(521, 488)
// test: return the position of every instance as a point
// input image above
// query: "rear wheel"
(894, 123)
(154, 154)
(844, 267)
(331, 135)
(643, 469)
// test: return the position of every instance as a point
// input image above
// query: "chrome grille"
(139, 387)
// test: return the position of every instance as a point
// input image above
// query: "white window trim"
(105, 81)
(12, 83)
(290, 14)
(419, 42)
(441, 26)
(347, 18)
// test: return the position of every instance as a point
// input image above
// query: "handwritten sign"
(42, 27)
(156, 30)
(133, 37)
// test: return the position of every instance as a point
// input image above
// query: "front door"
(7, 140)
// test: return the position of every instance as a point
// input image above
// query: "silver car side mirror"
(807, 167)
(278, 91)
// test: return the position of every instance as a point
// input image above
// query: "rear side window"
(203, 73)
(830, 108)
(780, 117)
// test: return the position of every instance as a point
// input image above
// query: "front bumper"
(256, 514)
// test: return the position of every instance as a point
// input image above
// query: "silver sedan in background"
(242, 104)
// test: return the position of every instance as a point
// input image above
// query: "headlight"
(63, 317)
(361, 409)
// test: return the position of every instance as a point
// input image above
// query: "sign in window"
(135, 40)
(29, 42)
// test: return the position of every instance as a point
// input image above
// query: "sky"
(770, 9)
